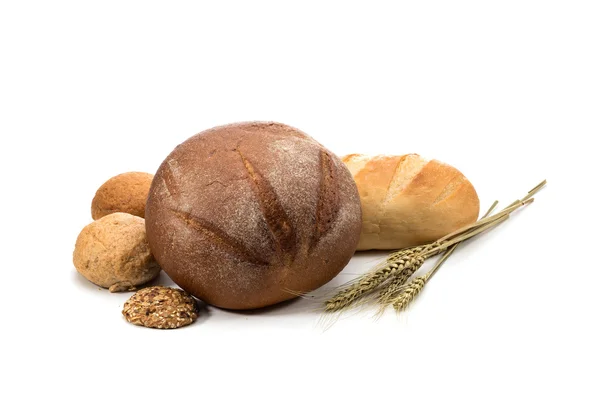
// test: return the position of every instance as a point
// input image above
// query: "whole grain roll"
(409, 200)
(242, 215)
(113, 252)
(125, 192)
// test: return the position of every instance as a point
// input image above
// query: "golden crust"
(113, 252)
(126, 192)
(408, 201)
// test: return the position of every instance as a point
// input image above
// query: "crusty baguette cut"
(408, 200)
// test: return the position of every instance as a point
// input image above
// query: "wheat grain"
(409, 293)
(398, 281)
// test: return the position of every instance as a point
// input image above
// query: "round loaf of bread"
(409, 200)
(244, 215)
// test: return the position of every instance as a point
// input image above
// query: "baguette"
(408, 200)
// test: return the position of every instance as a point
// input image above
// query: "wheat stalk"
(390, 279)
(360, 287)
(400, 264)
(399, 295)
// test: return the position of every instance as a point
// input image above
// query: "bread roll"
(408, 200)
(125, 192)
(242, 214)
(113, 252)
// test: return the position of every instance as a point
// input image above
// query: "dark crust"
(277, 219)
(219, 238)
(329, 197)
(303, 228)
(169, 180)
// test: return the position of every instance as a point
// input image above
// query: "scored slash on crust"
(328, 200)
(282, 231)
(168, 178)
(219, 237)
(452, 185)
(279, 224)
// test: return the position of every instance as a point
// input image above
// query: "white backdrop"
(508, 92)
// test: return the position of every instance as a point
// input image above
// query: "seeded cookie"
(161, 307)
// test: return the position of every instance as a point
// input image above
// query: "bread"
(243, 215)
(122, 193)
(408, 200)
(113, 252)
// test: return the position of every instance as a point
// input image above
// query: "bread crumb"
(122, 287)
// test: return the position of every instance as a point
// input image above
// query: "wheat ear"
(410, 291)
(404, 294)
(397, 282)
(400, 265)
(358, 288)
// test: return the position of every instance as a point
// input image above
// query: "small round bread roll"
(122, 193)
(113, 252)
